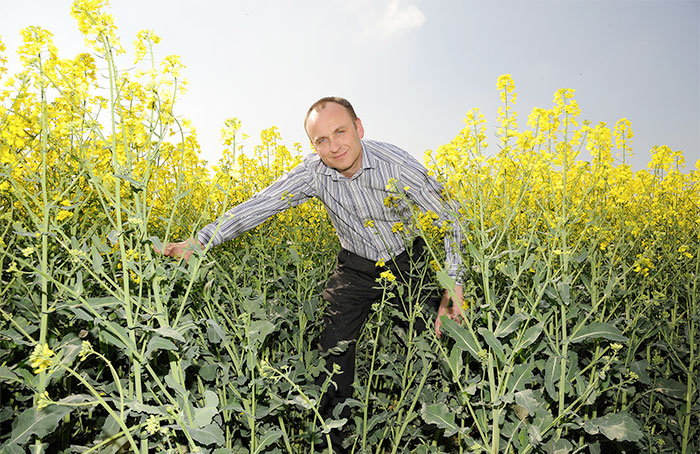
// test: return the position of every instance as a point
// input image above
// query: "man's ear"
(360, 128)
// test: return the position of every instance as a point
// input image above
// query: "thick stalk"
(564, 354)
(493, 389)
(371, 373)
(135, 364)
(44, 230)
(691, 376)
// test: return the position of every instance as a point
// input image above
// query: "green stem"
(106, 406)
(44, 230)
(371, 372)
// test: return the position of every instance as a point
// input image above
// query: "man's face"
(336, 138)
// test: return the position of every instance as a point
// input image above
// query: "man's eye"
(340, 132)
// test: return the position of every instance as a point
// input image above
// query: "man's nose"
(334, 144)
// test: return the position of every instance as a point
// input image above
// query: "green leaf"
(208, 372)
(440, 416)
(97, 260)
(521, 376)
(209, 435)
(464, 339)
(138, 407)
(640, 368)
(204, 416)
(36, 422)
(615, 426)
(456, 364)
(298, 400)
(12, 449)
(446, 282)
(671, 388)
(81, 314)
(561, 446)
(103, 302)
(563, 292)
(117, 336)
(598, 330)
(259, 330)
(158, 343)
(156, 242)
(172, 381)
(334, 424)
(211, 398)
(215, 333)
(7, 375)
(172, 333)
(492, 342)
(510, 325)
(529, 336)
(552, 374)
(113, 237)
(268, 438)
(527, 400)
(527, 263)
(136, 186)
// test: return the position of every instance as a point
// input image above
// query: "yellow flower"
(152, 424)
(144, 38)
(43, 401)
(63, 215)
(41, 358)
(85, 350)
(505, 81)
(388, 275)
(135, 277)
(380, 263)
(683, 250)
(95, 24)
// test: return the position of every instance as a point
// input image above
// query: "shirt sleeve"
(292, 189)
(427, 194)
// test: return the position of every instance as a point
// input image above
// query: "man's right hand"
(183, 249)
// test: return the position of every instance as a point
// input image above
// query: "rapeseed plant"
(563, 238)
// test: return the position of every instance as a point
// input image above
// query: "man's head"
(321, 103)
(335, 132)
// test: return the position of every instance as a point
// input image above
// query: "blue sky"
(412, 68)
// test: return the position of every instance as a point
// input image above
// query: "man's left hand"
(454, 311)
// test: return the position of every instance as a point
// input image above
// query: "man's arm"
(428, 195)
(291, 189)
(425, 191)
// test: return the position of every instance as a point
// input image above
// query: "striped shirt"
(357, 206)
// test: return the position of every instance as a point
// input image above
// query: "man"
(353, 178)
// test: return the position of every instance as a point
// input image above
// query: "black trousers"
(351, 291)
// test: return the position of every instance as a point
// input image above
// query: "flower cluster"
(563, 174)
